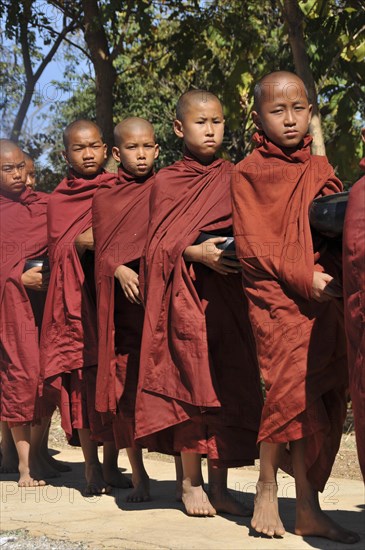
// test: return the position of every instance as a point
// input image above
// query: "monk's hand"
(208, 254)
(33, 278)
(129, 282)
(319, 286)
(85, 241)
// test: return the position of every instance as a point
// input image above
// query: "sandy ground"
(59, 517)
(61, 513)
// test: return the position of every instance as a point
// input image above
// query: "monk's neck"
(204, 161)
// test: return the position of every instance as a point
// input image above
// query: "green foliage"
(169, 46)
(334, 31)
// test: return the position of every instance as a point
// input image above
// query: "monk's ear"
(157, 151)
(64, 154)
(116, 154)
(105, 147)
(310, 109)
(256, 120)
(178, 128)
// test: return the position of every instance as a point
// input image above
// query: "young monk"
(120, 219)
(23, 236)
(291, 280)
(354, 300)
(30, 171)
(69, 340)
(199, 388)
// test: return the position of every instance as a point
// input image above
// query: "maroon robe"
(300, 342)
(354, 296)
(199, 387)
(120, 220)
(23, 225)
(69, 336)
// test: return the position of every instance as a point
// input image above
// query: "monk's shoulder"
(42, 197)
(357, 191)
(59, 187)
(321, 162)
(166, 175)
(108, 181)
(227, 166)
(356, 201)
(246, 166)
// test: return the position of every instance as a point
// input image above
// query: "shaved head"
(131, 125)
(78, 125)
(265, 87)
(27, 157)
(192, 97)
(135, 146)
(12, 169)
(8, 146)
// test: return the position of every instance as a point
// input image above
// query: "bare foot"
(58, 464)
(266, 517)
(224, 502)
(316, 523)
(95, 483)
(115, 478)
(26, 480)
(141, 491)
(196, 500)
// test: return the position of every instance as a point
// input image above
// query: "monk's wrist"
(192, 253)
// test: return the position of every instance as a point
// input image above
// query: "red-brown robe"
(120, 220)
(23, 224)
(300, 342)
(198, 369)
(69, 336)
(354, 300)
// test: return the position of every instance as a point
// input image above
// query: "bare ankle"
(188, 482)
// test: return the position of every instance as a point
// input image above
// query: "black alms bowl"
(327, 214)
(227, 245)
(37, 262)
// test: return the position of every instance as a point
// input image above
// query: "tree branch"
(25, 49)
(85, 52)
(53, 50)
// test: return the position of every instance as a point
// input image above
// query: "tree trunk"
(105, 73)
(293, 16)
(22, 111)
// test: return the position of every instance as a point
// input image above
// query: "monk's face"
(30, 173)
(284, 113)
(202, 128)
(136, 150)
(12, 171)
(85, 152)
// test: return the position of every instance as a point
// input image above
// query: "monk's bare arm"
(33, 279)
(209, 255)
(85, 241)
(128, 280)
